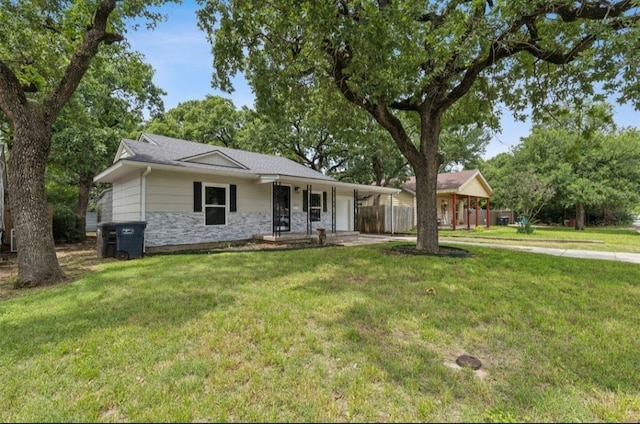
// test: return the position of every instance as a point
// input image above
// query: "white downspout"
(143, 194)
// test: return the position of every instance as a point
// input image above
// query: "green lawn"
(330, 334)
(599, 238)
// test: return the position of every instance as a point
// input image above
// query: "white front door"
(344, 213)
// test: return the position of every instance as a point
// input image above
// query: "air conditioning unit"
(14, 243)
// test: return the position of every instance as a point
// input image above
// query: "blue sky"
(181, 57)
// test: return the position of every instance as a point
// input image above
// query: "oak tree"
(388, 57)
(46, 49)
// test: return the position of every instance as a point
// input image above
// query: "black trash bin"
(106, 235)
(503, 220)
(130, 239)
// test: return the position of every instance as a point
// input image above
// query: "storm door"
(281, 208)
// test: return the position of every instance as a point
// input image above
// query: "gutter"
(143, 194)
(257, 178)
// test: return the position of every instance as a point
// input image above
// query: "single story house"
(193, 193)
(459, 194)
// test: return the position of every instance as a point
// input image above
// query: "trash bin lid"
(128, 223)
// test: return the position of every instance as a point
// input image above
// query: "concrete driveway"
(571, 253)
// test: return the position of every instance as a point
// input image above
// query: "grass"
(332, 335)
(599, 238)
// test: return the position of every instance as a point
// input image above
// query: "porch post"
(333, 209)
(355, 210)
(275, 218)
(309, 209)
(488, 212)
(454, 213)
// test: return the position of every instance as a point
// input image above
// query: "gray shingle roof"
(159, 149)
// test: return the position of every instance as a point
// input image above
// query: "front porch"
(337, 237)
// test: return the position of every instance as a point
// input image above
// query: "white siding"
(126, 200)
(252, 197)
(169, 192)
(173, 192)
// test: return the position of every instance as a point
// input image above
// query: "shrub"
(525, 226)
(65, 225)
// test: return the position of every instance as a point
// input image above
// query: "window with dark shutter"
(233, 206)
(305, 200)
(197, 196)
(324, 201)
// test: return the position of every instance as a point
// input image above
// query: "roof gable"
(123, 151)
(452, 182)
(455, 181)
(215, 158)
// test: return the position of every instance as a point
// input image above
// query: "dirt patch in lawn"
(410, 249)
(76, 259)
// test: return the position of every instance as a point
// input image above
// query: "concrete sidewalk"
(571, 253)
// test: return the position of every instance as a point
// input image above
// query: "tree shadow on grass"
(154, 292)
(555, 323)
(69, 312)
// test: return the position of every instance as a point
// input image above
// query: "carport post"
(455, 212)
(468, 212)
(477, 212)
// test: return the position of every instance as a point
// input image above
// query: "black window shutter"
(233, 207)
(305, 200)
(197, 196)
(324, 201)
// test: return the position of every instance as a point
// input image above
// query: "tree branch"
(12, 97)
(501, 48)
(81, 59)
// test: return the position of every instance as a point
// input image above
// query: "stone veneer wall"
(175, 228)
(299, 222)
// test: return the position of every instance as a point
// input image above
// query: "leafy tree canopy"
(390, 57)
(46, 50)
(588, 162)
(107, 106)
(213, 120)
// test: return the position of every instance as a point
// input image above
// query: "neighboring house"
(193, 193)
(91, 221)
(104, 204)
(458, 193)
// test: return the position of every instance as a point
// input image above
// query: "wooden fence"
(482, 217)
(377, 219)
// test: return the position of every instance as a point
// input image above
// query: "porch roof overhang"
(124, 168)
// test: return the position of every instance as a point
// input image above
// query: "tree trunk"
(378, 171)
(37, 261)
(84, 189)
(425, 162)
(427, 183)
(580, 216)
